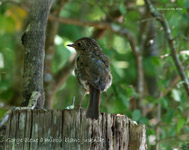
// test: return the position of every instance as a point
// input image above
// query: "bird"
(92, 70)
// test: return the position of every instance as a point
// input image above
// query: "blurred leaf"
(156, 60)
(2, 112)
(176, 95)
(144, 120)
(124, 100)
(186, 4)
(111, 1)
(187, 129)
(180, 124)
(3, 9)
(136, 115)
(169, 116)
(129, 91)
(149, 67)
(5, 96)
(4, 84)
(140, 2)
(61, 56)
(163, 102)
(180, 108)
(18, 17)
(7, 24)
(122, 9)
(69, 31)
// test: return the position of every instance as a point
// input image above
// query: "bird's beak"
(71, 45)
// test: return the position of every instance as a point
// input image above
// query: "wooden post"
(70, 130)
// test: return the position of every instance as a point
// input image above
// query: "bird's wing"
(95, 69)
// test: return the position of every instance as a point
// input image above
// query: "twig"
(167, 31)
(145, 20)
(182, 52)
(95, 24)
(171, 86)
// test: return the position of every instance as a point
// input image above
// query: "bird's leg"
(32, 103)
(83, 97)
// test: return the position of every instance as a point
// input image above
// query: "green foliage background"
(174, 125)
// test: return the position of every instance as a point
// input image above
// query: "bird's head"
(85, 44)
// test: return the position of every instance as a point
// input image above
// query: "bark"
(69, 129)
(34, 45)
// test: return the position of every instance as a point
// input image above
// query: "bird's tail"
(94, 103)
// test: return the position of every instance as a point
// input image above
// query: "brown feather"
(94, 104)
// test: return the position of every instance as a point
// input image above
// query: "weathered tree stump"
(70, 130)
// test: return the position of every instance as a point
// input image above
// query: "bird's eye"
(79, 44)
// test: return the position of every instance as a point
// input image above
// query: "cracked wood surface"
(70, 130)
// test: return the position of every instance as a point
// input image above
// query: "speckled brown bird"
(92, 70)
